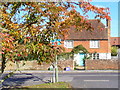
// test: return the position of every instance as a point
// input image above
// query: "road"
(77, 80)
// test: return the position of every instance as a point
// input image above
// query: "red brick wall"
(115, 40)
(104, 47)
(33, 65)
(102, 64)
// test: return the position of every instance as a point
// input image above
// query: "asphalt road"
(77, 80)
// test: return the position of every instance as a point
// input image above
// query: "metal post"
(53, 80)
(56, 70)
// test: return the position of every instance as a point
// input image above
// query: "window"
(94, 44)
(68, 43)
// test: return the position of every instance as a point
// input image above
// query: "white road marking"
(85, 75)
(96, 80)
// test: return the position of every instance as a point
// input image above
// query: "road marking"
(85, 75)
(96, 80)
(95, 75)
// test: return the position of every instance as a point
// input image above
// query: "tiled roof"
(97, 33)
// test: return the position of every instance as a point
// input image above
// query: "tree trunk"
(3, 63)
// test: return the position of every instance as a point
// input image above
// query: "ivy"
(75, 50)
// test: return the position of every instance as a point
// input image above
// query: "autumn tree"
(30, 27)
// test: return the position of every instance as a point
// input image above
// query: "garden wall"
(33, 65)
(110, 64)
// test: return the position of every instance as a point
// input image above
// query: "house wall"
(104, 48)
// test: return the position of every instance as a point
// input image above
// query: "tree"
(32, 25)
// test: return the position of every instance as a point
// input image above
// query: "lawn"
(60, 85)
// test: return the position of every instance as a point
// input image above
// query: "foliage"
(65, 56)
(114, 51)
(79, 49)
(28, 27)
(75, 50)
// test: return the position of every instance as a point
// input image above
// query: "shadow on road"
(18, 80)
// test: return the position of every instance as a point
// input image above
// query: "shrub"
(114, 51)
(79, 48)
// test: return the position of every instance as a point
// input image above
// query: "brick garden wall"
(111, 64)
(33, 65)
(89, 65)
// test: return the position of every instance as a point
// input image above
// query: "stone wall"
(33, 65)
(112, 64)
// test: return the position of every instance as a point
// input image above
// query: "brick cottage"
(97, 42)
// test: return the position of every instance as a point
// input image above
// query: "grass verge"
(61, 85)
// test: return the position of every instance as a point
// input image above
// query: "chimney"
(108, 24)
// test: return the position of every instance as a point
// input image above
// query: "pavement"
(71, 71)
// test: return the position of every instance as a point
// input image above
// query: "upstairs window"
(94, 44)
(68, 44)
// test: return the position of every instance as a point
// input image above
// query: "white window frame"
(67, 42)
(94, 44)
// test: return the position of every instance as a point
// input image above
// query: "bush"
(114, 51)
(79, 48)
(65, 56)
(70, 55)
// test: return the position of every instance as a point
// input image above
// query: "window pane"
(68, 43)
(94, 44)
